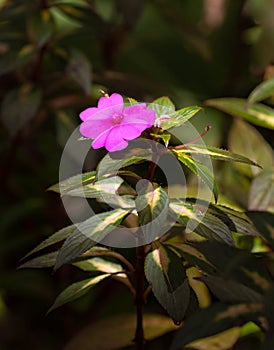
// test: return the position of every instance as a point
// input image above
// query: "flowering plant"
(172, 234)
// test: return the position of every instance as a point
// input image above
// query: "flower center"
(116, 119)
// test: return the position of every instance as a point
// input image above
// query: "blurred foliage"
(55, 56)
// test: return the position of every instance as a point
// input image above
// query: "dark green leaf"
(257, 114)
(192, 255)
(165, 272)
(47, 260)
(55, 238)
(215, 319)
(19, 107)
(76, 290)
(236, 264)
(264, 222)
(229, 291)
(88, 233)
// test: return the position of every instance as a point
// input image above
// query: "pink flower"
(111, 124)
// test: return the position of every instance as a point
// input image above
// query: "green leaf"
(261, 92)
(246, 140)
(203, 223)
(73, 182)
(165, 272)
(180, 117)
(47, 260)
(215, 319)
(261, 194)
(55, 238)
(88, 233)
(200, 170)
(264, 222)
(164, 137)
(99, 264)
(162, 106)
(122, 159)
(98, 189)
(76, 290)
(152, 207)
(19, 107)
(235, 220)
(257, 114)
(216, 153)
(79, 70)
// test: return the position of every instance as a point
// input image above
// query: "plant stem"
(139, 299)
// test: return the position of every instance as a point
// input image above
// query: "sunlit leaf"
(99, 264)
(257, 113)
(180, 117)
(215, 319)
(73, 182)
(216, 153)
(162, 106)
(246, 140)
(76, 290)
(152, 208)
(88, 233)
(261, 92)
(200, 170)
(165, 272)
(203, 223)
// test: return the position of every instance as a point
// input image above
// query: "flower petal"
(132, 131)
(115, 140)
(93, 128)
(139, 114)
(87, 113)
(114, 103)
(100, 140)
